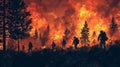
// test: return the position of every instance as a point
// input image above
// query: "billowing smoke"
(65, 18)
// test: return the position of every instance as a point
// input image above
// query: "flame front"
(65, 19)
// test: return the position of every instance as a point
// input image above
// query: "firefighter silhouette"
(30, 46)
(75, 42)
(53, 45)
(102, 38)
(63, 43)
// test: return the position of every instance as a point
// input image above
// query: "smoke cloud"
(70, 15)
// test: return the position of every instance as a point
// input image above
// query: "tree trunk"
(18, 45)
(4, 28)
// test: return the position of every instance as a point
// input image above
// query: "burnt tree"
(18, 20)
(85, 35)
(36, 34)
(113, 27)
(3, 7)
(44, 36)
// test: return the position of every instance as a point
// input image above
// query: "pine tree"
(18, 20)
(3, 7)
(36, 34)
(66, 34)
(85, 35)
(44, 36)
(113, 27)
(94, 38)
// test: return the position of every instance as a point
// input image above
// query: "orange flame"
(89, 10)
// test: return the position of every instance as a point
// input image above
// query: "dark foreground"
(84, 57)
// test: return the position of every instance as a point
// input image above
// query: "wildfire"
(84, 12)
(71, 15)
(57, 37)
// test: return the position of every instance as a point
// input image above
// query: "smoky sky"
(64, 13)
(104, 8)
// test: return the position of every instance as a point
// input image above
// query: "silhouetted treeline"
(16, 21)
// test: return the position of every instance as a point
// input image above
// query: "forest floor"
(83, 57)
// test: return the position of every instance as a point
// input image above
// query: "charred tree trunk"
(4, 27)
(18, 45)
